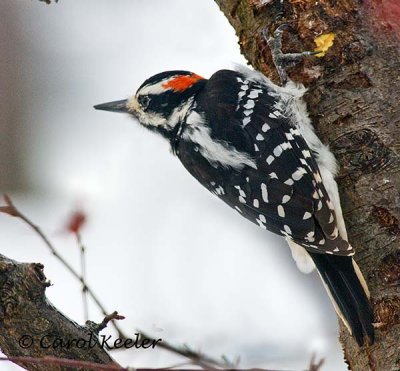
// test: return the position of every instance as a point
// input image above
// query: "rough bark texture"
(26, 317)
(353, 99)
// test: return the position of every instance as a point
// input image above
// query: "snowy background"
(162, 251)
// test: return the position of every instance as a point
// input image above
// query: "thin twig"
(97, 327)
(195, 357)
(83, 275)
(11, 209)
(315, 366)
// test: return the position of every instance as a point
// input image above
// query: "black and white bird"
(251, 143)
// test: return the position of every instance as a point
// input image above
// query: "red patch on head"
(182, 82)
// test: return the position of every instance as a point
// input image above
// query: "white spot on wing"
(289, 136)
(220, 191)
(298, 174)
(249, 104)
(310, 237)
(241, 192)
(246, 120)
(278, 150)
(259, 137)
(265, 127)
(287, 229)
(264, 192)
(261, 220)
(317, 177)
(241, 94)
(255, 93)
(281, 211)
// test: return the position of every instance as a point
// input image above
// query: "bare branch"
(31, 325)
(97, 327)
(195, 357)
(82, 251)
(12, 210)
(315, 366)
(48, 1)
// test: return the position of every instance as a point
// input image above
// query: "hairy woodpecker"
(251, 143)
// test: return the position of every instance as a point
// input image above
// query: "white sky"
(162, 251)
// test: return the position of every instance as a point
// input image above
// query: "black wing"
(285, 194)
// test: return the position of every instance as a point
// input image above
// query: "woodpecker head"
(161, 101)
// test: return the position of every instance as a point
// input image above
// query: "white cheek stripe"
(157, 120)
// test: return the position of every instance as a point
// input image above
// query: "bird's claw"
(282, 60)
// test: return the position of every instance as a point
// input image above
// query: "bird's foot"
(282, 60)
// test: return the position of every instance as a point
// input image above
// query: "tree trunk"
(354, 102)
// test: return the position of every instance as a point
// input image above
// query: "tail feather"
(349, 293)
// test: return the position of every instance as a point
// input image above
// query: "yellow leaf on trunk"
(323, 42)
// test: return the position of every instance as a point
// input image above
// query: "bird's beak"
(116, 106)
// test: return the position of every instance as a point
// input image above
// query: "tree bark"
(30, 324)
(353, 100)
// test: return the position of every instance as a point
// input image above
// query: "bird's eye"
(144, 101)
